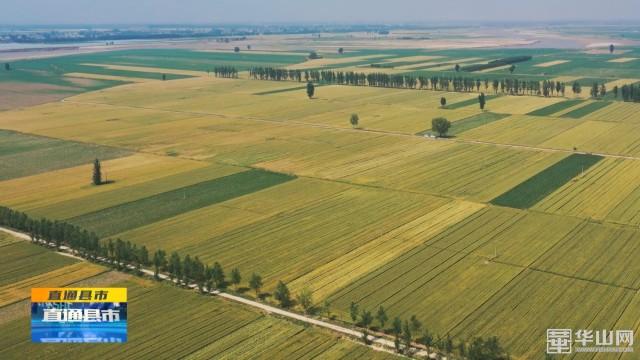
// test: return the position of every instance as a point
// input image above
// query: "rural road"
(377, 343)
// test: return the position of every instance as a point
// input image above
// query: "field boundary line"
(384, 132)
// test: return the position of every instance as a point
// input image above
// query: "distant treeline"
(225, 71)
(511, 86)
(441, 83)
(630, 92)
(496, 63)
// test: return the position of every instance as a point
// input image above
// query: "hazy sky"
(244, 11)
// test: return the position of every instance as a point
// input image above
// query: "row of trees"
(412, 330)
(123, 254)
(225, 71)
(443, 83)
(628, 92)
(512, 86)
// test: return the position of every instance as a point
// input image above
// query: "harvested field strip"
(171, 203)
(188, 73)
(551, 63)
(545, 182)
(107, 77)
(416, 58)
(332, 62)
(22, 155)
(21, 260)
(19, 290)
(620, 83)
(554, 108)
(338, 273)
(623, 60)
(468, 102)
(587, 109)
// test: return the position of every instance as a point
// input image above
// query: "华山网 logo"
(78, 315)
(567, 341)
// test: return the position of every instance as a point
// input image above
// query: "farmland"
(526, 206)
(206, 327)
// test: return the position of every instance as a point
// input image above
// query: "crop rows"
(590, 196)
(134, 214)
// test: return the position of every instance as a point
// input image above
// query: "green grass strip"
(282, 90)
(539, 186)
(119, 218)
(472, 122)
(587, 109)
(554, 108)
(473, 100)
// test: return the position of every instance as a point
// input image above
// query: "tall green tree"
(236, 278)
(354, 120)
(159, 262)
(255, 283)
(311, 89)
(407, 336)
(305, 299)
(218, 276)
(366, 318)
(382, 317)
(97, 172)
(353, 311)
(482, 100)
(282, 294)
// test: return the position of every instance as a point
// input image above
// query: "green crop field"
(586, 110)
(545, 182)
(552, 109)
(23, 155)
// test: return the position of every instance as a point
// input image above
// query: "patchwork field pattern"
(255, 175)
